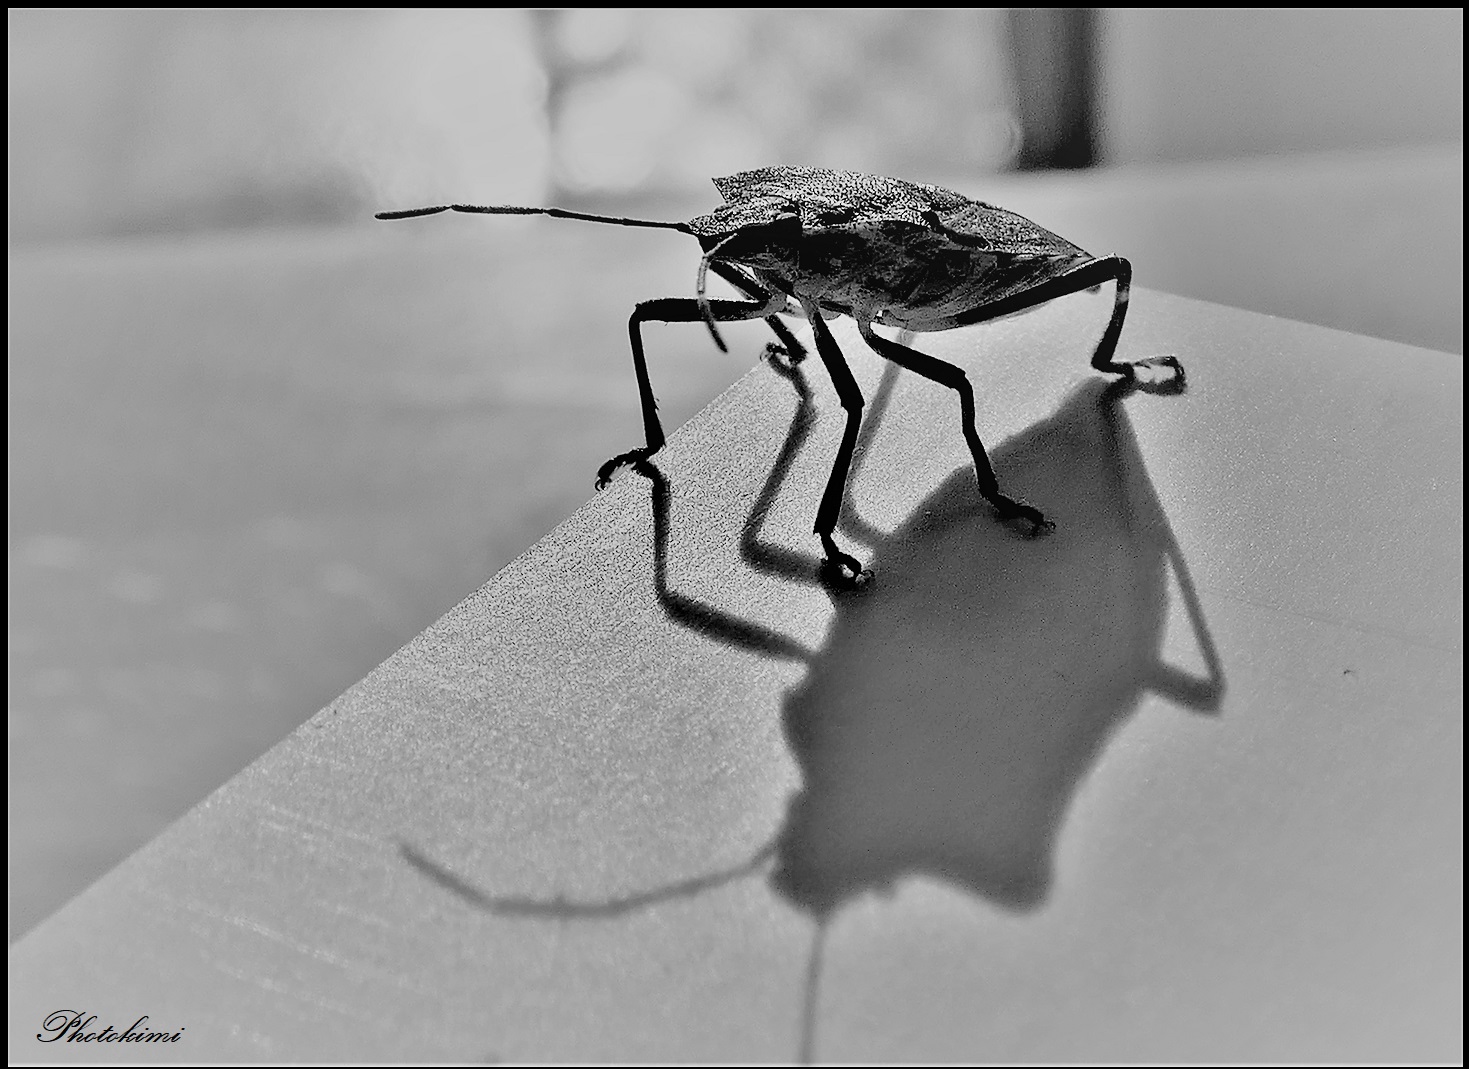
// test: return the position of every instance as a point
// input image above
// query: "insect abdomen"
(910, 276)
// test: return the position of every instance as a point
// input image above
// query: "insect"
(884, 251)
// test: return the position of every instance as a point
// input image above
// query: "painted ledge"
(1181, 781)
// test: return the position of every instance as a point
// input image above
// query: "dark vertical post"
(1054, 51)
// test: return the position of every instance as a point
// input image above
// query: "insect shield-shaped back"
(849, 199)
(762, 232)
(842, 198)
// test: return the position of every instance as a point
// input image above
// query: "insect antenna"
(512, 209)
(703, 296)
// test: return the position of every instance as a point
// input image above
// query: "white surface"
(1279, 877)
(220, 519)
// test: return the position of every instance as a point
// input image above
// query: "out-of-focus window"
(129, 122)
(656, 102)
(125, 122)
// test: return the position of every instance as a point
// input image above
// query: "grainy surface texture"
(245, 468)
(1004, 805)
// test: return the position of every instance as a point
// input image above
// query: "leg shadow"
(959, 702)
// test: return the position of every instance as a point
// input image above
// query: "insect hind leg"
(1120, 271)
(1088, 276)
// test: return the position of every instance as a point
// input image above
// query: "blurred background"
(257, 440)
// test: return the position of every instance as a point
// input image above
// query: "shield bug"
(884, 251)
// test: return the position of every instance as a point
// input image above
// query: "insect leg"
(670, 310)
(946, 374)
(836, 484)
(1087, 276)
(1120, 270)
(794, 351)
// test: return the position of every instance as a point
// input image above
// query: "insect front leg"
(845, 570)
(671, 310)
(946, 374)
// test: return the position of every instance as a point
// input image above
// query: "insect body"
(886, 252)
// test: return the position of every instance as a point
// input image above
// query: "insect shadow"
(960, 700)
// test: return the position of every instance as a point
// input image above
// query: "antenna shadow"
(963, 696)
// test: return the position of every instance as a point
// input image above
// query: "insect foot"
(633, 457)
(1159, 374)
(781, 356)
(846, 576)
(1010, 509)
(841, 571)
